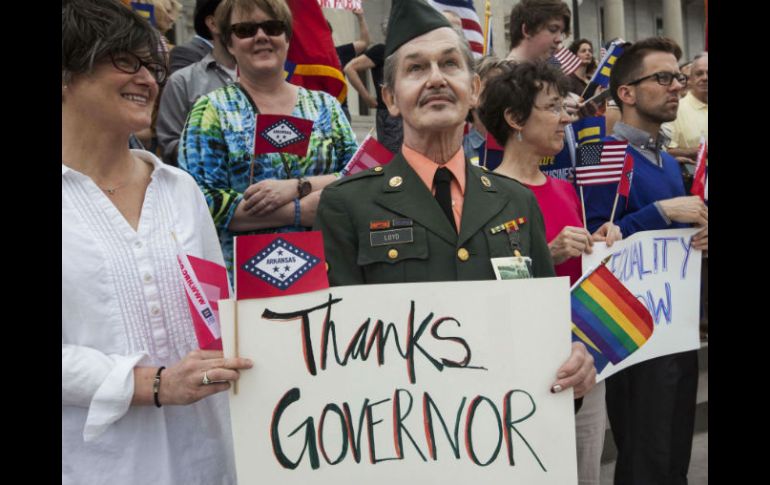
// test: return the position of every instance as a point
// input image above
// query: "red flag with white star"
(279, 264)
(282, 134)
(624, 187)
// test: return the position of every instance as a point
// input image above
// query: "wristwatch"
(303, 187)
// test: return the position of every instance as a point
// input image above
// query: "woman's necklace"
(114, 189)
(111, 191)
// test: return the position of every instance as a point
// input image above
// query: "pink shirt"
(560, 206)
(426, 170)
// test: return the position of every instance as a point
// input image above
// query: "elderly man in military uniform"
(429, 215)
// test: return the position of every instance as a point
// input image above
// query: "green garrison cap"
(410, 19)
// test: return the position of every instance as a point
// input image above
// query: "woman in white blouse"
(135, 407)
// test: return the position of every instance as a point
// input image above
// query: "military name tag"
(394, 236)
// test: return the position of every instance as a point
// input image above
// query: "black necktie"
(443, 196)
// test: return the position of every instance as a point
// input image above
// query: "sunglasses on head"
(245, 30)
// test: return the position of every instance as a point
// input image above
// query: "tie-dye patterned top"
(218, 139)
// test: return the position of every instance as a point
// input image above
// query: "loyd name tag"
(512, 268)
(394, 236)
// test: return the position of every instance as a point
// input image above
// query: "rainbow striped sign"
(607, 317)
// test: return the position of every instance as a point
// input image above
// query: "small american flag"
(600, 163)
(568, 61)
(470, 19)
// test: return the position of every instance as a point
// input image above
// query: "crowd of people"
(158, 158)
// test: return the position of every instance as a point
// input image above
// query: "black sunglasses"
(245, 30)
(664, 78)
(131, 63)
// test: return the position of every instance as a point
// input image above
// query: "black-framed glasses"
(246, 30)
(663, 78)
(131, 63)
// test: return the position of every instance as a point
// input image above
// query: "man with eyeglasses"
(651, 405)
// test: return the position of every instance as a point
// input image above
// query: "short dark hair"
(277, 9)
(515, 91)
(204, 8)
(92, 30)
(629, 65)
(534, 14)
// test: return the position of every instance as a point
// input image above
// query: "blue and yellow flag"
(589, 130)
(146, 11)
(601, 76)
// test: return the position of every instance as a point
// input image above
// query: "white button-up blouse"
(123, 305)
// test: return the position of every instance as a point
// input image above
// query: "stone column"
(614, 20)
(672, 21)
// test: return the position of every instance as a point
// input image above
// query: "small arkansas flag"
(282, 134)
(370, 154)
(700, 178)
(205, 283)
(624, 187)
(279, 264)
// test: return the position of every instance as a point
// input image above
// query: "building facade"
(599, 21)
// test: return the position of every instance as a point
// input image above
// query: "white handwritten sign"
(663, 271)
(408, 383)
(341, 4)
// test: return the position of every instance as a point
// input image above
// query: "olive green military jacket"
(431, 250)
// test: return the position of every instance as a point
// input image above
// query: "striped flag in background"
(609, 318)
(568, 61)
(471, 23)
(600, 163)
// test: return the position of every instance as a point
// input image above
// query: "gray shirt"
(645, 144)
(183, 89)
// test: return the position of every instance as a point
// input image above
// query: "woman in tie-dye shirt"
(274, 192)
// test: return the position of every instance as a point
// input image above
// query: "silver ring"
(206, 381)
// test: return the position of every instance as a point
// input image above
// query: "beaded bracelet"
(297, 213)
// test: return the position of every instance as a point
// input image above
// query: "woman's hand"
(267, 195)
(570, 243)
(182, 383)
(577, 372)
(701, 239)
(609, 233)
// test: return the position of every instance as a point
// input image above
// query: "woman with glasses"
(523, 108)
(274, 192)
(140, 403)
